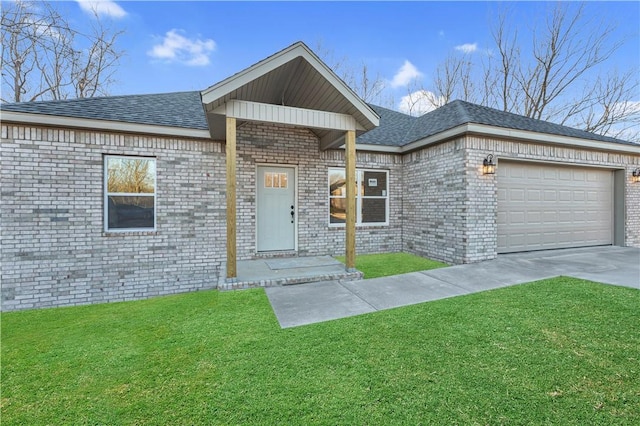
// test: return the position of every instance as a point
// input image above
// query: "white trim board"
(106, 125)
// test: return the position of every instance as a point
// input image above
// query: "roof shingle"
(179, 109)
(185, 110)
(457, 113)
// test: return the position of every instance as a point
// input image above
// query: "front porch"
(293, 89)
(279, 271)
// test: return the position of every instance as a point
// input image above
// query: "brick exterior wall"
(54, 251)
(450, 207)
(53, 248)
(632, 206)
(434, 198)
(265, 144)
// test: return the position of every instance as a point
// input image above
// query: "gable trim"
(223, 88)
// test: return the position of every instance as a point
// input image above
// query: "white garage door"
(544, 206)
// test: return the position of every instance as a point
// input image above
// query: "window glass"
(130, 193)
(374, 184)
(275, 180)
(371, 197)
(337, 186)
(131, 212)
(374, 210)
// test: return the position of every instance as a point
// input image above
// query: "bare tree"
(130, 176)
(44, 57)
(370, 89)
(454, 80)
(563, 76)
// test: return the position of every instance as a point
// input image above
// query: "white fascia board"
(267, 65)
(378, 148)
(228, 85)
(505, 133)
(345, 90)
(438, 137)
(90, 124)
(502, 132)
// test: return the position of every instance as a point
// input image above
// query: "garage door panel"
(565, 175)
(534, 195)
(546, 206)
(566, 217)
(534, 217)
(564, 195)
(579, 176)
(516, 194)
(517, 218)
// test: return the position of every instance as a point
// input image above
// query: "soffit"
(294, 77)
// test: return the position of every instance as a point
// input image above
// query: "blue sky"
(175, 46)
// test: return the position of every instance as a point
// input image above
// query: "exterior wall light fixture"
(635, 175)
(488, 166)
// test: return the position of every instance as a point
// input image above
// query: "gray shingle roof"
(393, 124)
(185, 110)
(392, 130)
(180, 109)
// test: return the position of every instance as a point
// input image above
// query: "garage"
(546, 206)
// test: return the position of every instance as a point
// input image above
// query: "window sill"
(360, 226)
(138, 233)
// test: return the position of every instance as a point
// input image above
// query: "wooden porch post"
(350, 169)
(231, 197)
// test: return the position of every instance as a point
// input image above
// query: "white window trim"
(106, 194)
(359, 199)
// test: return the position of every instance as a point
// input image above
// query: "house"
(127, 197)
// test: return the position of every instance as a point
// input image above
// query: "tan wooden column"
(350, 169)
(231, 198)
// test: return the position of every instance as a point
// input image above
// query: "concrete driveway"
(297, 305)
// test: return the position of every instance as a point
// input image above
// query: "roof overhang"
(106, 125)
(503, 133)
(292, 79)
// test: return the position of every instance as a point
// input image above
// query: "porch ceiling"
(294, 77)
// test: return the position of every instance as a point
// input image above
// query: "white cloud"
(420, 102)
(177, 48)
(467, 47)
(405, 75)
(102, 8)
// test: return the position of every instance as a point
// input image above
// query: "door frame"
(294, 168)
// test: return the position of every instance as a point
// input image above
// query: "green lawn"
(561, 351)
(385, 264)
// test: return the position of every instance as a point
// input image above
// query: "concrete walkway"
(323, 301)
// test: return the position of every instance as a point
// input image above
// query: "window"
(130, 193)
(372, 197)
(275, 180)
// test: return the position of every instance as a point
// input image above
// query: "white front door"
(276, 209)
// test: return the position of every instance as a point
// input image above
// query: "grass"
(560, 351)
(385, 264)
